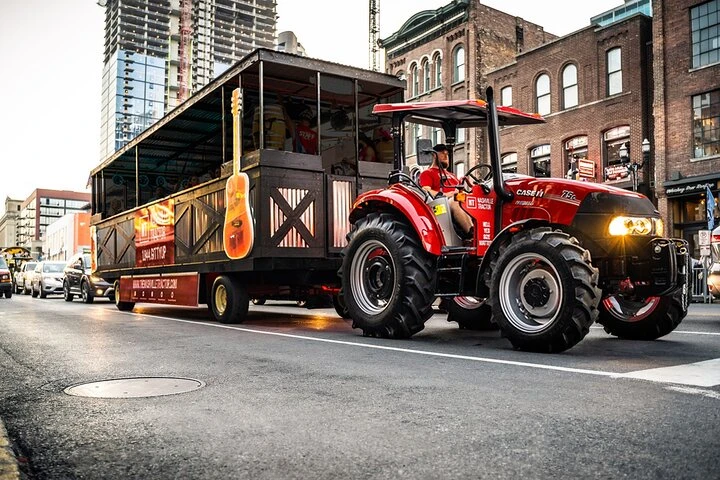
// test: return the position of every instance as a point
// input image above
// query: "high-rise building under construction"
(159, 52)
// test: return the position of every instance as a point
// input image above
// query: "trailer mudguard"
(398, 199)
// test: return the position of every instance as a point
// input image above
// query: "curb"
(8, 463)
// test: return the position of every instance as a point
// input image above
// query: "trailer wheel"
(544, 293)
(122, 306)
(387, 277)
(470, 313)
(229, 301)
(641, 319)
(340, 307)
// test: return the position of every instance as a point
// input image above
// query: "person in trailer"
(438, 180)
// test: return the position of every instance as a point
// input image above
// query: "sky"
(51, 53)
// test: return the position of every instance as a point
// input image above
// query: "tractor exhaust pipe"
(494, 141)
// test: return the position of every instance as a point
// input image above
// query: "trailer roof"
(190, 132)
(465, 113)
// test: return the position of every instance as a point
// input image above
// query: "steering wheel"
(409, 179)
(480, 178)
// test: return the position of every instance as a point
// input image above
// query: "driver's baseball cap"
(440, 147)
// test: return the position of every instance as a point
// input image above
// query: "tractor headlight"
(636, 226)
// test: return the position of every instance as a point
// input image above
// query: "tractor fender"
(504, 237)
(407, 205)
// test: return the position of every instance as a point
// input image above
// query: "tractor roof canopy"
(464, 113)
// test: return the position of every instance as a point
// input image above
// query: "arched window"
(540, 159)
(438, 70)
(426, 75)
(506, 96)
(414, 82)
(459, 64)
(614, 71)
(509, 163)
(542, 94)
(570, 86)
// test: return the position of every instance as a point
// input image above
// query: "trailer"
(243, 191)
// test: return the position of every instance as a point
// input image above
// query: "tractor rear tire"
(470, 313)
(387, 277)
(340, 307)
(544, 293)
(645, 319)
(229, 301)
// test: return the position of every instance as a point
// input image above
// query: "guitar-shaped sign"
(239, 232)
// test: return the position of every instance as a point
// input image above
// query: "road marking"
(684, 332)
(700, 374)
(695, 391)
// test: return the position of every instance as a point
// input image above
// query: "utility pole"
(374, 30)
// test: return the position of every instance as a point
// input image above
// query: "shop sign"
(169, 289)
(688, 189)
(616, 172)
(155, 234)
(586, 168)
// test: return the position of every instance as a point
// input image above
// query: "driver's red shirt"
(431, 178)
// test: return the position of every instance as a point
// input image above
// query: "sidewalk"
(8, 463)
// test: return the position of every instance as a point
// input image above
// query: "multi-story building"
(8, 222)
(67, 236)
(593, 88)
(686, 51)
(446, 53)
(159, 52)
(42, 208)
(288, 42)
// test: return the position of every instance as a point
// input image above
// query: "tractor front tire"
(544, 293)
(641, 319)
(387, 277)
(470, 313)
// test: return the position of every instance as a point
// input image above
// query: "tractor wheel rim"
(530, 292)
(372, 274)
(221, 299)
(630, 311)
(469, 303)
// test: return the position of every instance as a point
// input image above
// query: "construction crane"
(185, 50)
(374, 29)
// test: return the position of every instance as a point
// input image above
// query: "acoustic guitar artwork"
(239, 233)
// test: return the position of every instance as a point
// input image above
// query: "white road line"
(700, 374)
(695, 391)
(682, 332)
(392, 349)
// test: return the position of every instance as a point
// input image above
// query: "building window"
(706, 124)
(426, 75)
(460, 136)
(415, 81)
(506, 96)
(576, 152)
(436, 135)
(614, 71)
(705, 24)
(438, 71)
(570, 86)
(613, 140)
(459, 64)
(413, 135)
(509, 162)
(542, 94)
(540, 158)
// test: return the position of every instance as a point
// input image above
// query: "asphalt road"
(295, 393)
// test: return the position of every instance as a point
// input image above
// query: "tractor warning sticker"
(439, 209)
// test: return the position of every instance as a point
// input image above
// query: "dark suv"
(78, 280)
(5, 279)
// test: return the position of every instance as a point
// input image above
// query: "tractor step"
(450, 269)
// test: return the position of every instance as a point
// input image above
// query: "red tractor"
(548, 256)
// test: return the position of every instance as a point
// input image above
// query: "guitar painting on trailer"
(239, 232)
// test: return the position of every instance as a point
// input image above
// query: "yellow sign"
(439, 209)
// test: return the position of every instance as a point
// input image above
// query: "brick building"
(446, 53)
(686, 50)
(592, 87)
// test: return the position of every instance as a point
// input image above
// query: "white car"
(23, 277)
(47, 279)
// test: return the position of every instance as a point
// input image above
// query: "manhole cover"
(135, 387)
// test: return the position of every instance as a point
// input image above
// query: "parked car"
(22, 277)
(78, 280)
(5, 279)
(47, 279)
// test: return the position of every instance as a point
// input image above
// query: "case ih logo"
(531, 193)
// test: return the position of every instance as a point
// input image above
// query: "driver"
(430, 181)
